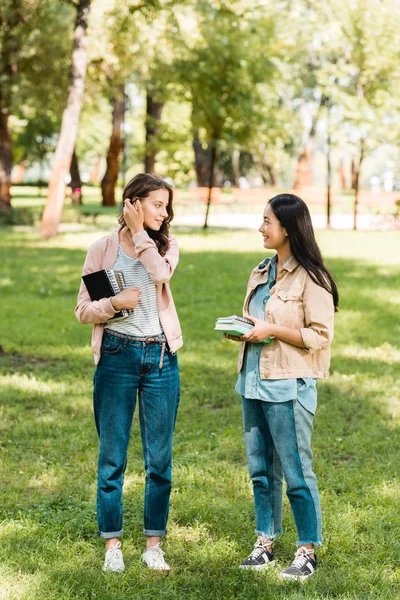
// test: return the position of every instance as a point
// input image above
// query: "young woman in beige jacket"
(291, 299)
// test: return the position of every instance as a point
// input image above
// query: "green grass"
(48, 544)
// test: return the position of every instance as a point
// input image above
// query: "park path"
(252, 221)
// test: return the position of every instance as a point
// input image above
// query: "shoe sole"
(299, 578)
(257, 567)
(155, 570)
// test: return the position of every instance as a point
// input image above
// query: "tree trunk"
(356, 179)
(236, 166)
(271, 172)
(69, 126)
(201, 161)
(328, 179)
(19, 172)
(303, 172)
(110, 178)
(354, 175)
(5, 162)
(153, 118)
(342, 175)
(76, 182)
(265, 168)
(10, 46)
(213, 160)
(95, 172)
(303, 176)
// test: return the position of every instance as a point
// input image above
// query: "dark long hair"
(293, 214)
(140, 187)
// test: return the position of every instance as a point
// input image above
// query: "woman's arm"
(98, 311)
(318, 331)
(319, 313)
(263, 329)
(160, 268)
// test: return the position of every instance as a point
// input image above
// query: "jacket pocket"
(288, 308)
(289, 295)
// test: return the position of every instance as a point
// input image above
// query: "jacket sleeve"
(160, 268)
(319, 317)
(98, 311)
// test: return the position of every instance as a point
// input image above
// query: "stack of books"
(236, 326)
(104, 284)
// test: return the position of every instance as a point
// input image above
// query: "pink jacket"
(102, 255)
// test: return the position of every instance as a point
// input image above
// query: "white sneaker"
(154, 558)
(114, 560)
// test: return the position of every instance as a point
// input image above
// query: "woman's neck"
(283, 253)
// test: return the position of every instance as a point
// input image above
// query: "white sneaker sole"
(299, 578)
(109, 570)
(257, 567)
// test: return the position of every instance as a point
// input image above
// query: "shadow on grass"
(49, 444)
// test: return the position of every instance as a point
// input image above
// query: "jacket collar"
(290, 264)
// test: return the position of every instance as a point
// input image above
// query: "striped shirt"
(144, 320)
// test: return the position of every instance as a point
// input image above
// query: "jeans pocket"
(111, 346)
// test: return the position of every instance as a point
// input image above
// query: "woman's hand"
(128, 298)
(260, 332)
(133, 215)
(233, 337)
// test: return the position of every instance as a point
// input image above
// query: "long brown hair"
(293, 214)
(140, 187)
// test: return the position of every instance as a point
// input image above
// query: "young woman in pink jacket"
(136, 361)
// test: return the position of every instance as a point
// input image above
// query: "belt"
(150, 339)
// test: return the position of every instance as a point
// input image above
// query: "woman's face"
(155, 209)
(274, 235)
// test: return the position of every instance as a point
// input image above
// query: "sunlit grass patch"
(48, 443)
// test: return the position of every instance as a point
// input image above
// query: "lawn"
(48, 544)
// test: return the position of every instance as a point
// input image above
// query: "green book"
(236, 326)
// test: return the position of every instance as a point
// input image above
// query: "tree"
(223, 69)
(69, 127)
(367, 34)
(110, 178)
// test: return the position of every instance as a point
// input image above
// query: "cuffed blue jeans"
(278, 444)
(129, 369)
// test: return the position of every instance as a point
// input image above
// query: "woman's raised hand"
(133, 215)
(128, 298)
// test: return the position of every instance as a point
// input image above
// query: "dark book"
(104, 284)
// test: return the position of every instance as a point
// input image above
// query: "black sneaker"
(302, 567)
(259, 559)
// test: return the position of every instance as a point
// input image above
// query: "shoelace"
(114, 552)
(257, 551)
(301, 558)
(159, 555)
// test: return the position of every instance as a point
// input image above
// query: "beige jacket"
(297, 302)
(102, 254)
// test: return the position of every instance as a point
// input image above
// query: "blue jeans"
(278, 444)
(128, 369)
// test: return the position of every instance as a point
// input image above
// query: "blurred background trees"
(206, 93)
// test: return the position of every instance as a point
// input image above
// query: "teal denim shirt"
(249, 383)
